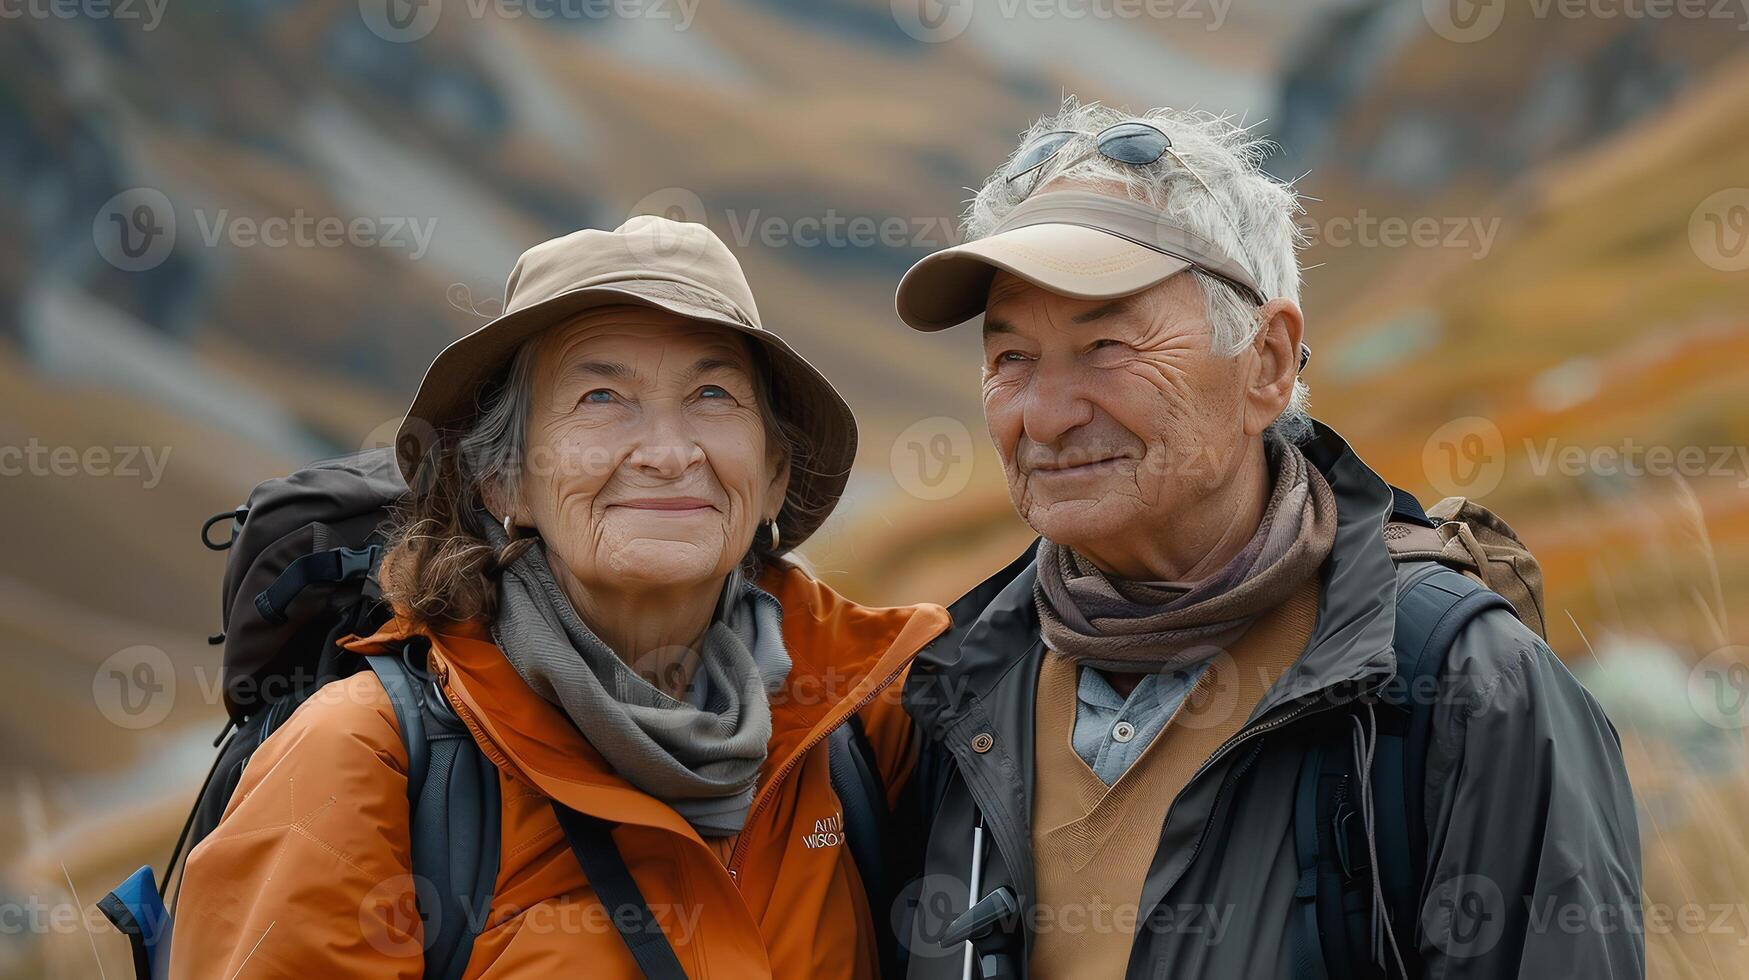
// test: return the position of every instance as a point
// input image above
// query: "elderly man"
(1165, 742)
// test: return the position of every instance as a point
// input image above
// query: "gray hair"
(1250, 214)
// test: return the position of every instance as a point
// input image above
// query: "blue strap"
(591, 840)
(333, 565)
(453, 819)
(403, 691)
(863, 797)
(1434, 605)
(135, 908)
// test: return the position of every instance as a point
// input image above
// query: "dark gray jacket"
(1533, 861)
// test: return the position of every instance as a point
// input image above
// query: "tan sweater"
(1092, 844)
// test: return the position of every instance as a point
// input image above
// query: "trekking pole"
(972, 897)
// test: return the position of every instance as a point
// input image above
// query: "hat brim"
(950, 287)
(801, 395)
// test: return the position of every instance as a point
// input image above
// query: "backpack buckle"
(358, 562)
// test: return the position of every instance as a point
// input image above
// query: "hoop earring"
(509, 529)
(773, 525)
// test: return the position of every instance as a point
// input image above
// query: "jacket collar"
(1350, 643)
(843, 655)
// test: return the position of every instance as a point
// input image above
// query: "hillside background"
(1530, 237)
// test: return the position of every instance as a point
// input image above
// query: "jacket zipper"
(769, 793)
(1245, 736)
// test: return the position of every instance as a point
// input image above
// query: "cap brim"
(949, 287)
(448, 395)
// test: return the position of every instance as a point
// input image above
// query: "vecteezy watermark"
(831, 228)
(301, 229)
(37, 916)
(1718, 229)
(834, 229)
(1465, 21)
(1464, 916)
(1630, 458)
(935, 21)
(147, 13)
(136, 230)
(38, 459)
(135, 687)
(401, 915)
(1718, 688)
(1363, 229)
(405, 21)
(1466, 457)
(927, 906)
(932, 458)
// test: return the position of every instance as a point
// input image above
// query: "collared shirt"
(1111, 731)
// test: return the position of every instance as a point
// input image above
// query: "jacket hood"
(997, 625)
(843, 656)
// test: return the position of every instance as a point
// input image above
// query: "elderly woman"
(593, 559)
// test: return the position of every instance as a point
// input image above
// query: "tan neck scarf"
(1115, 624)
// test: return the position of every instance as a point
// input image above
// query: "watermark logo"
(933, 21)
(301, 229)
(400, 21)
(1718, 230)
(1465, 457)
(1465, 916)
(39, 459)
(148, 13)
(936, 21)
(1718, 688)
(135, 230)
(400, 916)
(922, 912)
(666, 243)
(135, 688)
(1464, 21)
(1472, 234)
(932, 458)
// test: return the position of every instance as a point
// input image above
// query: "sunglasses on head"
(1135, 143)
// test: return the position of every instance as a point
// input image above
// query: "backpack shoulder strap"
(1433, 607)
(863, 796)
(454, 813)
(1406, 509)
(591, 840)
(1332, 923)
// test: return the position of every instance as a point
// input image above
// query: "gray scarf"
(1145, 627)
(702, 755)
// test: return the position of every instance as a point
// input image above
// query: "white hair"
(1249, 214)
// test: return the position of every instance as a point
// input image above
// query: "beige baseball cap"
(678, 266)
(1076, 242)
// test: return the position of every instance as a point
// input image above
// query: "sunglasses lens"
(1038, 151)
(1138, 144)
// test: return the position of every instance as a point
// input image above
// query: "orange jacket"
(308, 874)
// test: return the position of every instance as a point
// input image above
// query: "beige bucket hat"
(1077, 243)
(678, 266)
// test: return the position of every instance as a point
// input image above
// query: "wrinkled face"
(648, 463)
(1112, 417)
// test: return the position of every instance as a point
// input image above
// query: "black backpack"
(1332, 933)
(299, 577)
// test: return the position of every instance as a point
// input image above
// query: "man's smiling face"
(1112, 417)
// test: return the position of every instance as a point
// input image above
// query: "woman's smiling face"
(648, 460)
